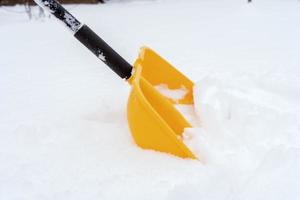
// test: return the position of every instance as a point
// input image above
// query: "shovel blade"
(154, 121)
(157, 71)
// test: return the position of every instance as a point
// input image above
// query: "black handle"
(88, 38)
(103, 51)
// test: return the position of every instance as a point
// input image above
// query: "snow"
(63, 130)
(102, 57)
(175, 94)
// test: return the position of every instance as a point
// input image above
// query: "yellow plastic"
(153, 120)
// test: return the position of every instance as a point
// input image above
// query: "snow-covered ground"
(63, 128)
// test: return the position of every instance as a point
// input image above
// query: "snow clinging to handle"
(59, 12)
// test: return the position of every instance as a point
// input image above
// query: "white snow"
(63, 127)
(175, 94)
(102, 57)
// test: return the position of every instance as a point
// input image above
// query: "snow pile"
(253, 131)
(245, 121)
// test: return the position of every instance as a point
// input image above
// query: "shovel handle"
(88, 38)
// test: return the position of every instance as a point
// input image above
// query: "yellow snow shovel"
(153, 120)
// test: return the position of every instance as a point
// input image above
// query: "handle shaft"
(88, 38)
(53, 7)
(103, 51)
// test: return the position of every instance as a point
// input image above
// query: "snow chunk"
(101, 56)
(175, 94)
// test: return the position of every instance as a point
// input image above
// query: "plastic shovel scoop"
(153, 120)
